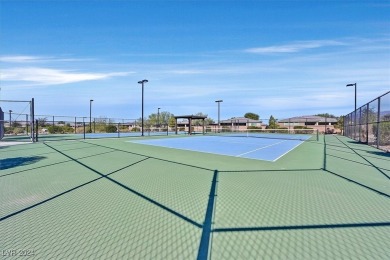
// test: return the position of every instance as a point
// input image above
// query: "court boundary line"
(107, 177)
(205, 228)
(346, 178)
(261, 148)
(152, 157)
(221, 154)
(301, 142)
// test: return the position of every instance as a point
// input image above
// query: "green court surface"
(110, 199)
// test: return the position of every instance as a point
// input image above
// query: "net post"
(118, 130)
(84, 129)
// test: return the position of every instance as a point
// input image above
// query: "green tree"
(340, 123)
(252, 116)
(171, 121)
(16, 124)
(111, 129)
(384, 131)
(101, 124)
(207, 121)
(326, 115)
(272, 123)
(161, 119)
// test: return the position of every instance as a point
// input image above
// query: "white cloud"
(47, 76)
(35, 59)
(20, 59)
(294, 47)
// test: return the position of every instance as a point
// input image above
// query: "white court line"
(6, 143)
(260, 148)
(196, 151)
(288, 151)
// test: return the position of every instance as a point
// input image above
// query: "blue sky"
(280, 58)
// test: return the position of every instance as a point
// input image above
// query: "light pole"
(351, 85)
(219, 102)
(158, 117)
(142, 82)
(10, 124)
(90, 115)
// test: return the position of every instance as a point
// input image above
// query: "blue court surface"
(251, 148)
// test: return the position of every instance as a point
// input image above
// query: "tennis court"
(262, 149)
(257, 144)
(119, 198)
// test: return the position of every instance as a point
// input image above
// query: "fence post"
(27, 124)
(378, 132)
(36, 130)
(32, 115)
(367, 107)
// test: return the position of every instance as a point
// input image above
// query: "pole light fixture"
(142, 82)
(219, 114)
(90, 115)
(351, 85)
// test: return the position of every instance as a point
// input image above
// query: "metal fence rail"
(370, 124)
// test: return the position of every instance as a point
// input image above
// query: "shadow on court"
(19, 161)
(214, 200)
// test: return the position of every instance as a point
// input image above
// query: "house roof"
(191, 116)
(301, 119)
(240, 120)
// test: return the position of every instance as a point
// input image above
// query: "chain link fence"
(17, 126)
(370, 124)
(49, 127)
(17, 121)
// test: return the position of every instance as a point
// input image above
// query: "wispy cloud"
(47, 76)
(294, 47)
(35, 59)
(19, 59)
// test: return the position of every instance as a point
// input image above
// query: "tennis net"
(288, 134)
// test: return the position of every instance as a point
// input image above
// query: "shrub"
(111, 129)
